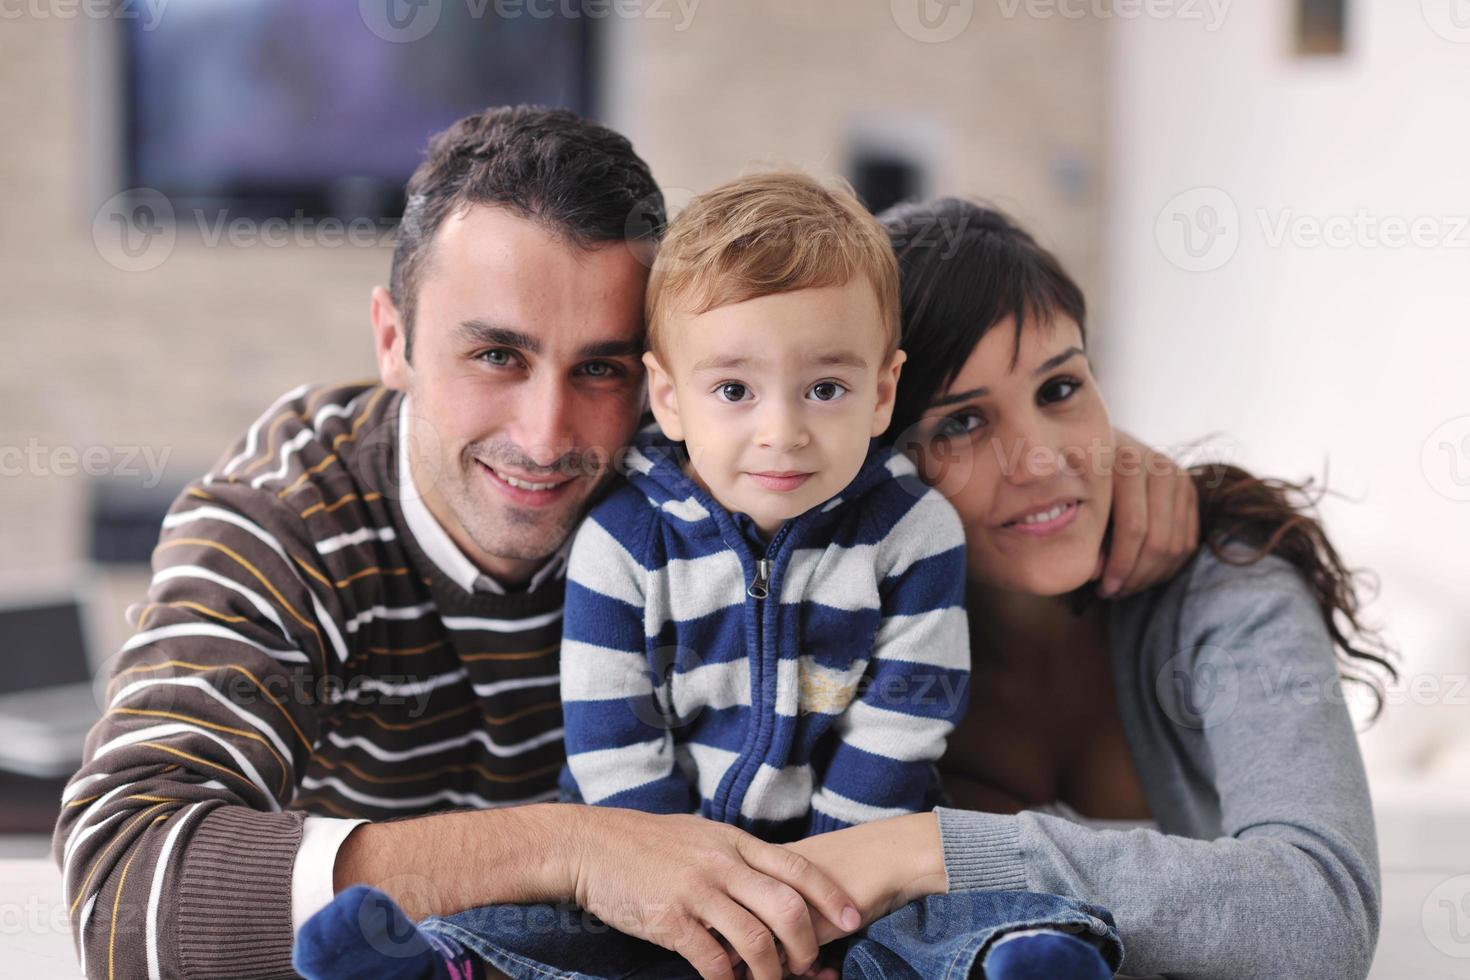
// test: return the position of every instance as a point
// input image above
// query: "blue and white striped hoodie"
(788, 688)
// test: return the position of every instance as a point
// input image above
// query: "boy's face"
(777, 397)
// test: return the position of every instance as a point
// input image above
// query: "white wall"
(1311, 356)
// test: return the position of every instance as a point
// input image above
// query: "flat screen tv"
(281, 108)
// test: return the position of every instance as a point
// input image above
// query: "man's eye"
(499, 357)
(731, 391)
(828, 391)
(1058, 390)
(601, 369)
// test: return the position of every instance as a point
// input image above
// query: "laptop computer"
(47, 699)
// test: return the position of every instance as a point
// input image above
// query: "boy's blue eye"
(828, 391)
(731, 391)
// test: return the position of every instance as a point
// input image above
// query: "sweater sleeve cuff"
(311, 879)
(234, 899)
(982, 851)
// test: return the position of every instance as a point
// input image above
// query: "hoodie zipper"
(759, 588)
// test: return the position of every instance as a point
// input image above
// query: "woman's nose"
(1028, 457)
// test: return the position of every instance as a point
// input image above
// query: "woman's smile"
(1046, 520)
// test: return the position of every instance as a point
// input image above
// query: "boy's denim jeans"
(943, 936)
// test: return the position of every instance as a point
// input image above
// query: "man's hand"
(673, 879)
(1155, 520)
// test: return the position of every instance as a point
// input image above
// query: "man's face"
(525, 381)
(776, 398)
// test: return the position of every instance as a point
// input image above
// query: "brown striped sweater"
(299, 652)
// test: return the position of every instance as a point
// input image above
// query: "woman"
(1183, 757)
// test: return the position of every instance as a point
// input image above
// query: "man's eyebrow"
(612, 348)
(1051, 364)
(481, 333)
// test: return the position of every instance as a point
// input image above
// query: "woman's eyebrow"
(982, 391)
(959, 396)
(1061, 358)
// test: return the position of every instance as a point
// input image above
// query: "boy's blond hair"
(769, 233)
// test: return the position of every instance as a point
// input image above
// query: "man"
(356, 614)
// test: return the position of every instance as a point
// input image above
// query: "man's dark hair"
(582, 180)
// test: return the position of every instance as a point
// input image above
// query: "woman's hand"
(1155, 520)
(883, 865)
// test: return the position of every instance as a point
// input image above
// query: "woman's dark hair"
(581, 180)
(963, 268)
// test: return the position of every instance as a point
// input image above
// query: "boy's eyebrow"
(480, 332)
(836, 358)
(1049, 364)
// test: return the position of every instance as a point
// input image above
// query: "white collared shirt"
(322, 837)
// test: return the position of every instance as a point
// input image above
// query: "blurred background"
(1265, 201)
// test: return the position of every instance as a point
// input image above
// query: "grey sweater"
(1265, 864)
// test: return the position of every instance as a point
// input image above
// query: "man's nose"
(544, 421)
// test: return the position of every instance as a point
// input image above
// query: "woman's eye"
(958, 425)
(828, 391)
(731, 392)
(1058, 390)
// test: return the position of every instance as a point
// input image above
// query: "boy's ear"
(662, 398)
(389, 341)
(887, 392)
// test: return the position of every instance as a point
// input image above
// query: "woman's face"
(1024, 452)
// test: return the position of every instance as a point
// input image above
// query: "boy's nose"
(782, 430)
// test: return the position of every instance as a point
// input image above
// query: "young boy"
(764, 624)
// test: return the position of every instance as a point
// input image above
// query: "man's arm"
(677, 880)
(176, 853)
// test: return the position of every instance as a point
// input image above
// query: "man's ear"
(662, 398)
(389, 341)
(887, 392)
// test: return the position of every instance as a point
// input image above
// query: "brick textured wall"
(181, 357)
